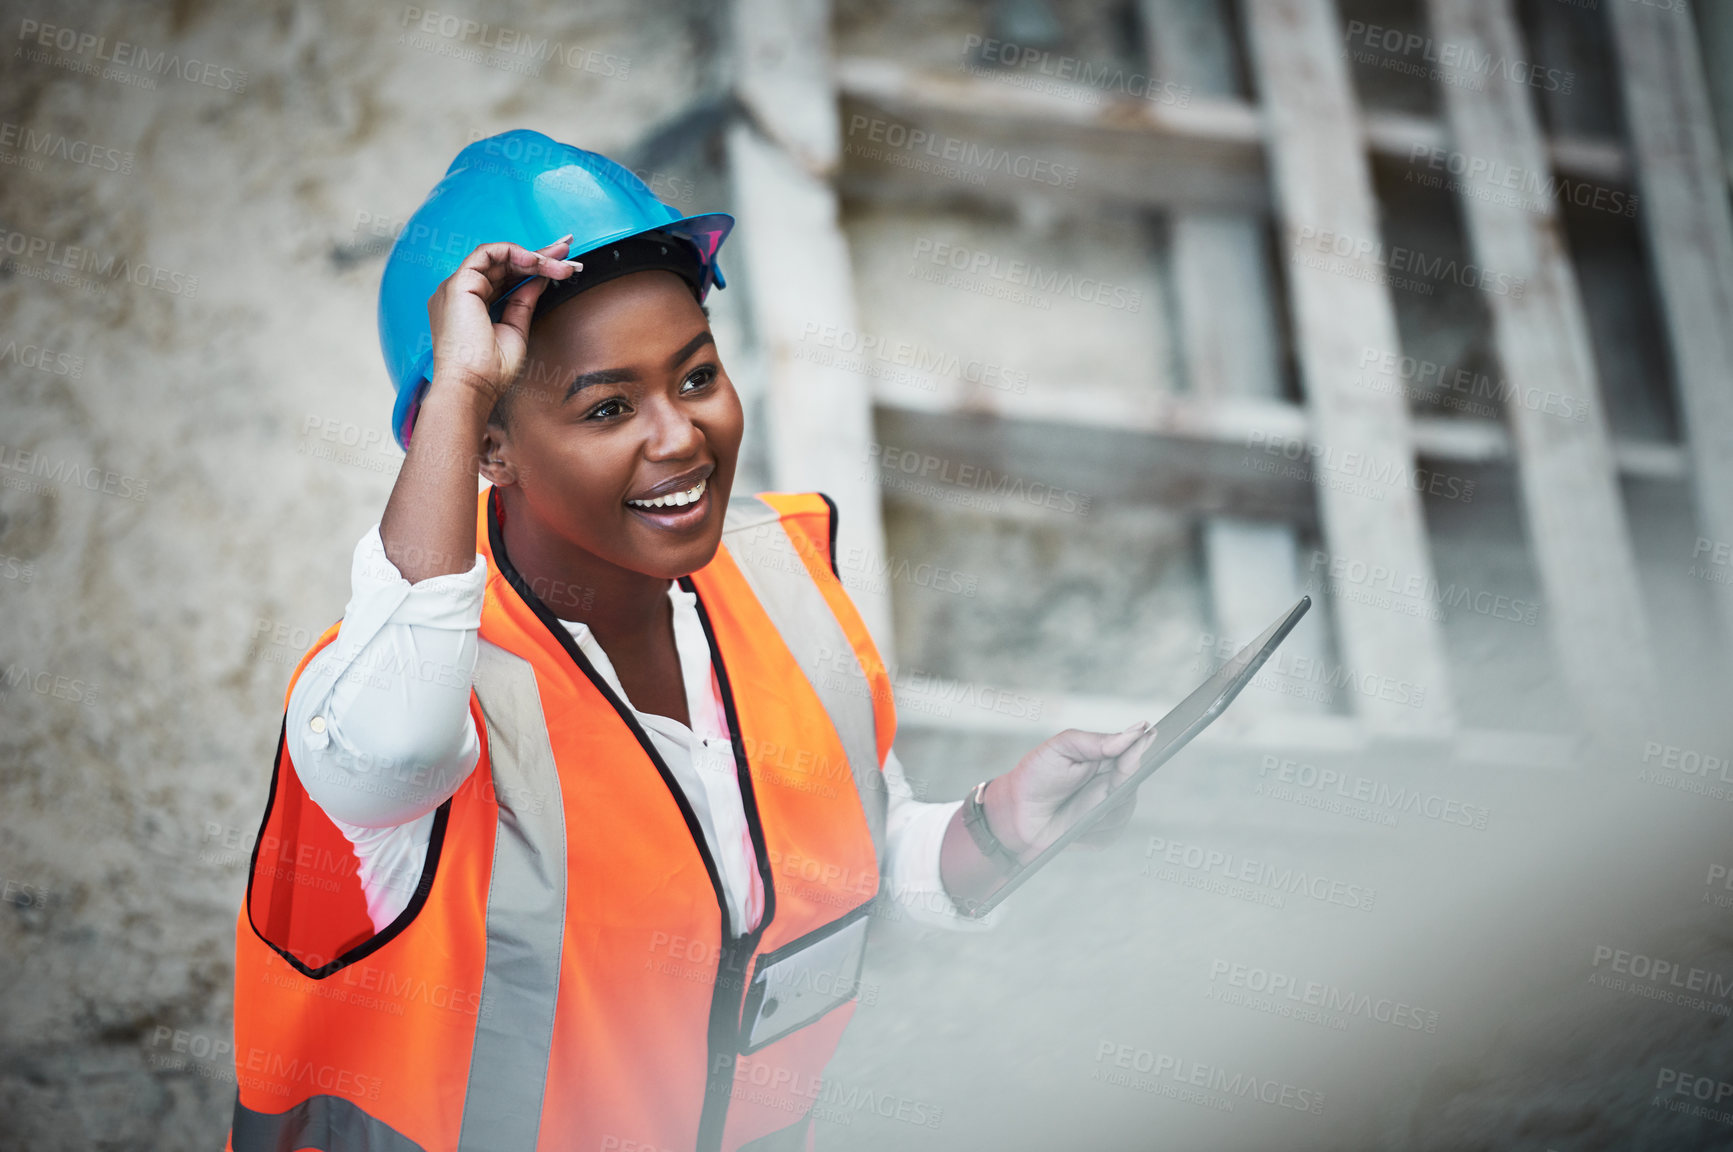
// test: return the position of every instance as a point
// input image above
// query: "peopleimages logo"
(105, 266)
(948, 156)
(1498, 181)
(924, 363)
(1311, 677)
(924, 691)
(886, 461)
(1283, 986)
(1214, 1078)
(119, 52)
(973, 262)
(1658, 979)
(1363, 258)
(69, 688)
(42, 359)
(1456, 63)
(1410, 594)
(70, 473)
(1379, 797)
(1462, 388)
(1217, 870)
(514, 49)
(1099, 79)
(29, 142)
(1352, 470)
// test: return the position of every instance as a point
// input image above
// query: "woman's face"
(622, 393)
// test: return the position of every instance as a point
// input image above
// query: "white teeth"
(673, 499)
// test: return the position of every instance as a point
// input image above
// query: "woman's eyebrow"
(627, 375)
(690, 347)
(600, 376)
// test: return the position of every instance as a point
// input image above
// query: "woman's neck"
(622, 608)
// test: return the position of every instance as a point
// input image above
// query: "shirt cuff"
(915, 837)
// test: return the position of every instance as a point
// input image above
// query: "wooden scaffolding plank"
(1682, 179)
(1206, 153)
(1715, 33)
(1226, 308)
(1138, 152)
(1323, 188)
(1570, 493)
(1185, 453)
(797, 271)
(1195, 459)
(938, 706)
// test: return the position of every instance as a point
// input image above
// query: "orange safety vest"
(562, 977)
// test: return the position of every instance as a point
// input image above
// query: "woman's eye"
(700, 377)
(605, 409)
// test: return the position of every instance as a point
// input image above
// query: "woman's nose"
(672, 432)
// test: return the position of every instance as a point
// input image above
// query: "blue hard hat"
(526, 188)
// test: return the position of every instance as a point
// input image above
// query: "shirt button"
(317, 724)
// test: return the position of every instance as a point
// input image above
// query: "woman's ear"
(497, 465)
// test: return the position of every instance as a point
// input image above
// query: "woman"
(580, 813)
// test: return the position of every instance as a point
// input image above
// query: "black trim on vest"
(502, 561)
(328, 1123)
(821, 932)
(742, 771)
(831, 504)
(423, 886)
(725, 1012)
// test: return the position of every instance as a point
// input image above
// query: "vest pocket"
(804, 979)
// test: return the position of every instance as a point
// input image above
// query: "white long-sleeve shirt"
(381, 734)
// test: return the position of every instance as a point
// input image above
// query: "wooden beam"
(1202, 152)
(1227, 312)
(1715, 31)
(1249, 727)
(1207, 153)
(1682, 179)
(796, 266)
(1212, 465)
(1571, 501)
(1210, 457)
(1323, 187)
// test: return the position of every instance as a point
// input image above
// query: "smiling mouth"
(673, 500)
(677, 511)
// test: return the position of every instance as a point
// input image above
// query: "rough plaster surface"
(125, 814)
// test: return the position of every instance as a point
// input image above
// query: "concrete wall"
(240, 405)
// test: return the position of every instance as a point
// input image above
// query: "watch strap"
(975, 820)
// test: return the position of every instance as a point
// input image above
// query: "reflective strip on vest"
(328, 1123)
(526, 913)
(757, 539)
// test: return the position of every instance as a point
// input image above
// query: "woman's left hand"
(1060, 780)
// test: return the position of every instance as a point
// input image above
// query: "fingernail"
(566, 237)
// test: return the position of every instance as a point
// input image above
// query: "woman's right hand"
(469, 349)
(429, 523)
